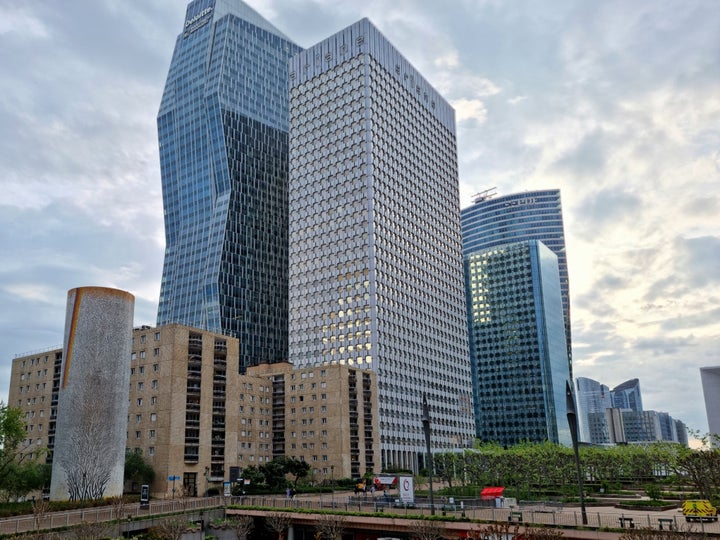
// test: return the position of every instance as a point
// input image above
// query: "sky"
(615, 103)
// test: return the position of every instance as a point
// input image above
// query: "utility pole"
(573, 423)
(426, 429)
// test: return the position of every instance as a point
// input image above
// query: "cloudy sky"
(616, 103)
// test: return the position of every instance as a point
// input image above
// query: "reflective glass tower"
(223, 135)
(593, 399)
(375, 251)
(517, 344)
(627, 396)
(531, 215)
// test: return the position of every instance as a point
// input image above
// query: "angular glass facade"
(375, 252)
(223, 136)
(517, 344)
(592, 399)
(627, 396)
(531, 215)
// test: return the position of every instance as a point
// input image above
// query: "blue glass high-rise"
(517, 344)
(531, 215)
(223, 135)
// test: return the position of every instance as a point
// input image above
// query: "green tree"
(274, 472)
(138, 470)
(12, 437)
(254, 476)
(298, 469)
(22, 478)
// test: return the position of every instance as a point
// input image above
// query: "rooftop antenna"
(484, 195)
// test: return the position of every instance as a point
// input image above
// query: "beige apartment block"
(194, 418)
(34, 384)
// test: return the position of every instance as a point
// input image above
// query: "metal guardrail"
(526, 515)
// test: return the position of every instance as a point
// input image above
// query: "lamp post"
(332, 485)
(426, 429)
(573, 423)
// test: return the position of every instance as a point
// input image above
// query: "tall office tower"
(532, 215)
(710, 377)
(223, 134)
(627, 396)
(375, 252)
(517, 344)
(593, 398)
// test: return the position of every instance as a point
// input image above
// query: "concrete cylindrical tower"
(91, 428)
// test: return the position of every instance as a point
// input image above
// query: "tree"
(22, 478)
(12, 438)
(274, 472)
(173, 527)
(278, 523)
(299, 469)
(426, 530)
(242, 525)
(138, 470)
(329, 527)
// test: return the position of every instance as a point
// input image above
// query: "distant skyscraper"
(223, 135)
(517, 343)
(627, 396)
(710, 377)
(375, 250)
(593, 398)
(532, 215)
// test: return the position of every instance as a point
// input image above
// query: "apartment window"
(155, 384)
(153, 400)
(152, 433)
(323, 396)
(323, 384)
(156, 367)
(140, 386)
(142, 354)
(133, 356)
(156, 352)
(139, 402)
(324, 458)
(153, 417)
(138, 418)
(157, 336)
(132, 371)
(324, 420)
(143, 338)
(141, 370)
(137, 435)
(151, 451)
(324, 433)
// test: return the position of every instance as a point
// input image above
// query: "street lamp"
(426, 429)
(332, 485)
(573, 423)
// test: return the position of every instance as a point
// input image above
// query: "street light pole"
(426, 429)
(332, 485)
(573, 423)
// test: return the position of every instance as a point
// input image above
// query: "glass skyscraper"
(375, 249)
(531, 215)
(627, 396)
(593, 398)
(517, 344)
(223, 136)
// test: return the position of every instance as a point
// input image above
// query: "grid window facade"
(517, 348)
(222, 129)
(375, 250)
(531, 215)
